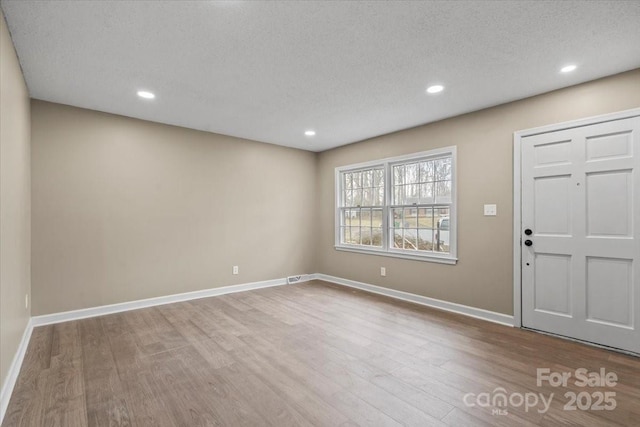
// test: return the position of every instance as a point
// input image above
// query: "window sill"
(426, 258)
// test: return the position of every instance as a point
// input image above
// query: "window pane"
(376, 237)
(425, 218)
(378, 196)
(443, 192)
(411, 194)
(397, 238)
(398, 195)
(443, 169)
(397, 218)
(355, 235)
(398, 175)
(345, 235)
(426, 193)
(409, 239)
(442, 230)
(411, 173)
(352, 218)
(365, 232)
(367, 196)
(346, 181)
(355, 179)
(346, 218)
(410, 219)
(425, 239)
(365, 218)
(348, 198)
(426, 171)
(376, 218)
(442, 217)
(357, 197)
(378, 178)
(367, 178)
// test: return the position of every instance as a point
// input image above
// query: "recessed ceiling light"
(568, 68)
(310, 132)
(146, 95)
(435, 89)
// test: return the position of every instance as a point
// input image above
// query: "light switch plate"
(490, 210)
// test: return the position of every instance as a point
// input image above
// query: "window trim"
(387, 164)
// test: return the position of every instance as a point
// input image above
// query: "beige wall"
(15, 222)
(125, 209)
(483, 276)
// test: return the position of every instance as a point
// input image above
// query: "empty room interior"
(319, 213)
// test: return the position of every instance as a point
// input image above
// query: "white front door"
(581, 260)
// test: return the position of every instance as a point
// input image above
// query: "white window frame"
(386, 250)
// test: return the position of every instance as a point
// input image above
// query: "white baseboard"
(14, 370)
(84, 313)
(478, 313)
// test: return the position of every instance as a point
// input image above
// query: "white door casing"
(580, 196)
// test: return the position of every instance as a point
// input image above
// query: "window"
(361, 211)
(402, 206)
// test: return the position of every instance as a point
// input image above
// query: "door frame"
(517, 191)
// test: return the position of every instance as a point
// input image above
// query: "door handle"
(528, 232)
(528, 242)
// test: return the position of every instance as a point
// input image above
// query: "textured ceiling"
(268, 71)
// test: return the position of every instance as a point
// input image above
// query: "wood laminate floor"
(301, 355)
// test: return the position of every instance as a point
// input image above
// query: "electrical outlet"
(383, 271)
(490, 210)
(26, 301)
(235, 269)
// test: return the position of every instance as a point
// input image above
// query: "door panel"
(553, 283)
(610, 291)
(581, 197)
(553, 153)
(609, 213)
(611, 146)
(552, 205)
